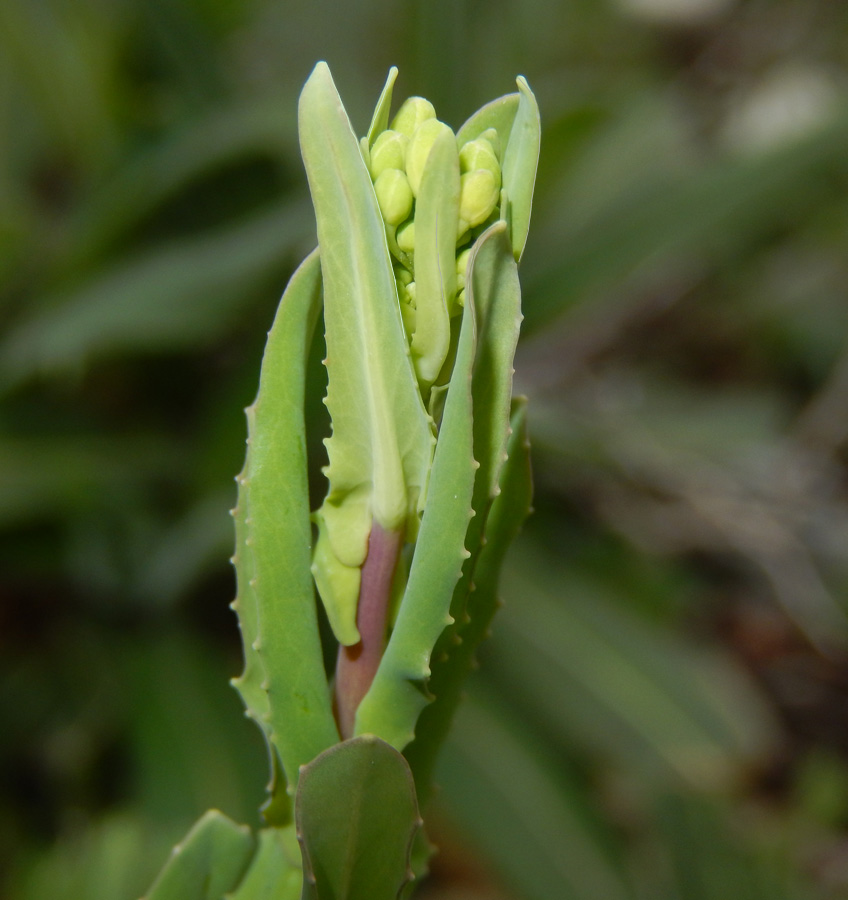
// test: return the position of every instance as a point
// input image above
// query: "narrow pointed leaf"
(520, 161)
(356, 815)
(516, 119)
(399, 692)
(509, 510)
(276, 601)
(210, 861)
(381, 446)
(436, 216)
(380, 120)
(496, 294)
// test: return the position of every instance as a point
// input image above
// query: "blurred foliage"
(662, 710)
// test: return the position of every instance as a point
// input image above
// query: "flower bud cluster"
(397, 160)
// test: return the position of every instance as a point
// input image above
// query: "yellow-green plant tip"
(406, 237)
(478, 197)
(419, 148)
(406, 295)
(412, 113)
(394, 196)
(460, 298)
(388, 152)
(491, 135)
(479, 154)
(402, 274)
(462, 261)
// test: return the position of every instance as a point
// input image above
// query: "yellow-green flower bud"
(491, 135)
(388, 152)
(460, 298)
(405, 236)
(419, 148)
(406, 295)
(412, 113)
(402, 275)
(462, 261)
(480, 154)
(478, 196)
(461, 266)
(394, 196)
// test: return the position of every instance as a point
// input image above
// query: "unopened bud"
(461, 266)
(405, 236)
(491, 135)
(419, 148)
(406, 292)
(480, 154)
(394, 196)
(462, 261)
(408, 312)
(406, 295)
(412, 113)
(478, 197)
(388, 152)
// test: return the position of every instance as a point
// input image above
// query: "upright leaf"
(520, 160)
(509, 510)
(515, 118)
(399, 692)
(380, 120)
(382, 443)
(284, 684)
(435, 254)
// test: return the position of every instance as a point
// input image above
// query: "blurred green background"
(663, 709)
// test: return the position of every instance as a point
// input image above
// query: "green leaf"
(380, 120)
(520, 160)
(382, 443)
(436, 214)
(399, 693)
(284, 684)
(208, 863)
(515, 117)
(498, 114)
(496, 294)
(509, 510)
(275, 871)
(356, 815)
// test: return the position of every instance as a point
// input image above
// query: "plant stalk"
(357, 664)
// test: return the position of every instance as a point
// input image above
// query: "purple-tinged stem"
(357, 665)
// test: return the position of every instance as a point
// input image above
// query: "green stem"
(357, 664)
